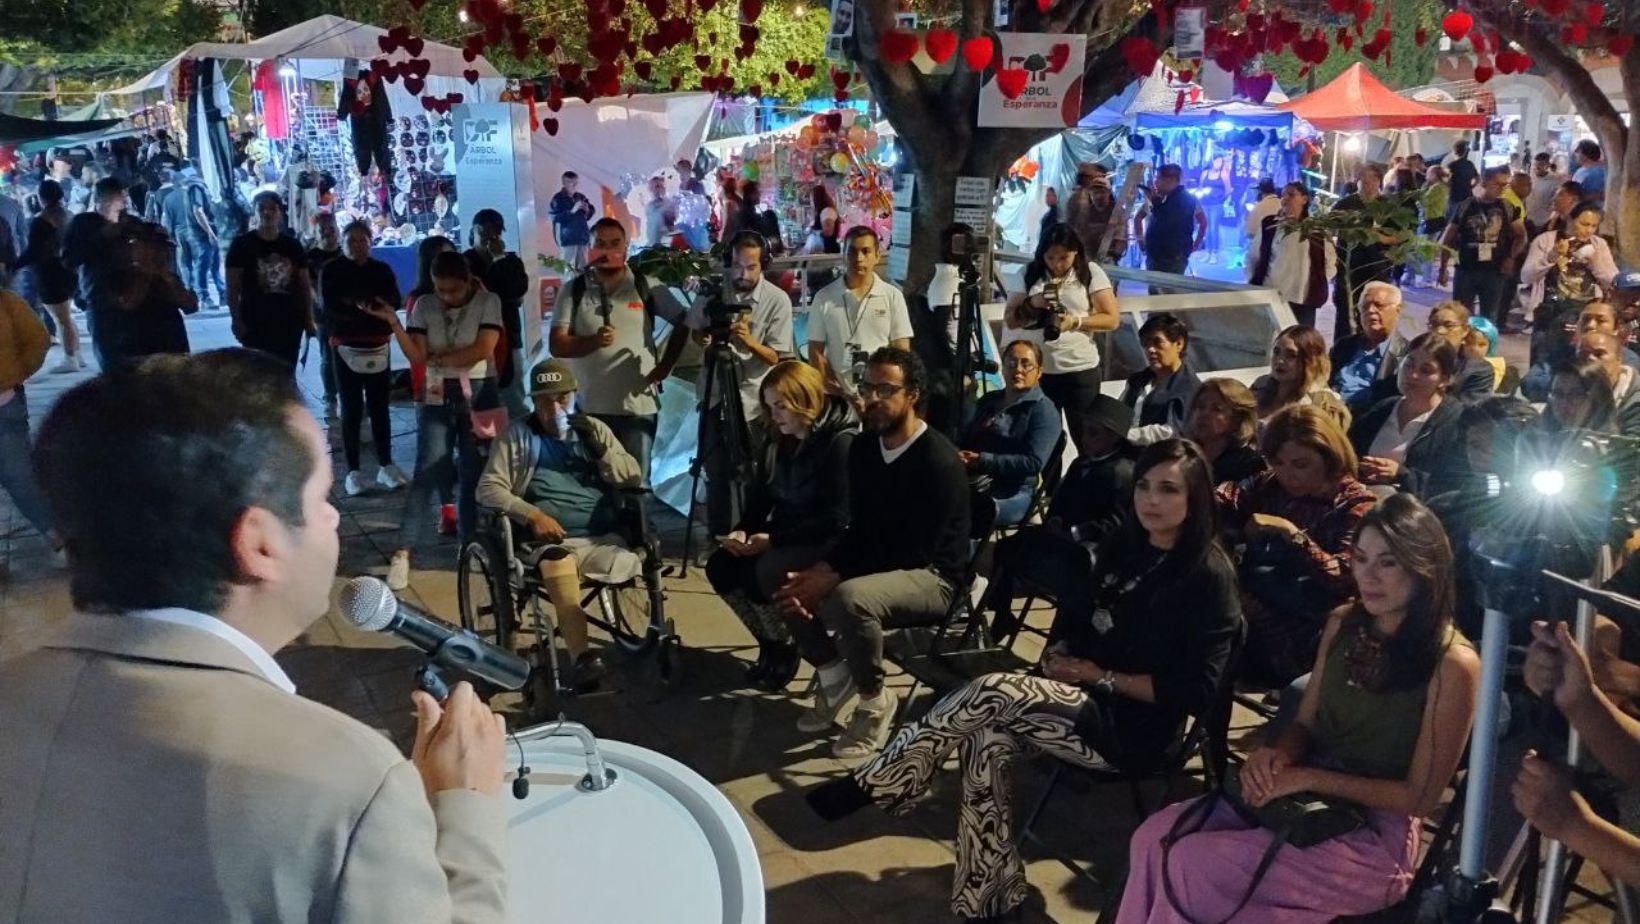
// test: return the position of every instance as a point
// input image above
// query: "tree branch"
(1597, 109)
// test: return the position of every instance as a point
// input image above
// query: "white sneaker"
(868, 728)
(354, 484)
(391, 477)
(398, 571)
(69, 364)
(823, 714)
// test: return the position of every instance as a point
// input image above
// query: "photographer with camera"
(1067, 299)
(856, 316)
(744, 323)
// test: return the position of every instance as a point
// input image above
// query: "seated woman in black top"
(1413, 441)
(1116, 686)
(791, 518)
(1223, 421)
(1012, 438)
(1160, 393)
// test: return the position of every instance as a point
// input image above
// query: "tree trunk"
(935, 116)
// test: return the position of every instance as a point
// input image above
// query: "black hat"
(1105, 411)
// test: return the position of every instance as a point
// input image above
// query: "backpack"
(578, 291)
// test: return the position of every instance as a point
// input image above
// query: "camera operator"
(1558, 669)
(896, 565)
(752, 322)
(185, 773)
(604, 324)
(855, 317)
(1067, 299)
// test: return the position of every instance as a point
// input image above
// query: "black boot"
(776, 665)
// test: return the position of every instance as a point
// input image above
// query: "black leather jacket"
(804, 500)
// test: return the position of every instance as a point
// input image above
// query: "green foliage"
(784, 35)
(103, 39)
(1410, 66)
(1391, 220)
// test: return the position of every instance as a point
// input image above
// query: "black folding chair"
(1205, 735)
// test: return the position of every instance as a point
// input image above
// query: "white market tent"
(320, 46)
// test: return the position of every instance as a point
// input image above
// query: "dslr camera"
(723, 308)
(1045, 318)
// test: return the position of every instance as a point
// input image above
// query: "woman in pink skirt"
(1383, 723)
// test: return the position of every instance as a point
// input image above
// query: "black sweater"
(907, 516)
(345, 287)
(1176, 624)
(805, 499)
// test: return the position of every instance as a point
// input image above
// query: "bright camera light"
(1223, 125)
(1549, 482)
(462, 15)
(1353, 144)
(287, 71)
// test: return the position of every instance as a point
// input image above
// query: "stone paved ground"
(868, 868)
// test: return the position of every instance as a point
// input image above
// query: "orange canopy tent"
(1356, 101)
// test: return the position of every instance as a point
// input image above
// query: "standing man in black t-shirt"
(1463, 176)
(269, 292)
(92, 251)
(1170, 225)
(1489, 236)
(1366, 262)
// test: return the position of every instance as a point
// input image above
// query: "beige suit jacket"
(150, 774)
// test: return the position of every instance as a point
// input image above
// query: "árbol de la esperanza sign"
(1037, 82)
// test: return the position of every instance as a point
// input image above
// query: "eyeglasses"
(885, 390)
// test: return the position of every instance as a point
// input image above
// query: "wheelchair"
(500, 595)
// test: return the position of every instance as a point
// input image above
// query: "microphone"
(370, 605)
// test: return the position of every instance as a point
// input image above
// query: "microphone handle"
(422, 631)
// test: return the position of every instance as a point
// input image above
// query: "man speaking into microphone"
(159, 766)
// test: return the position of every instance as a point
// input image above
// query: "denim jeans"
(16, 475)
(1481, 290)
(445, 451)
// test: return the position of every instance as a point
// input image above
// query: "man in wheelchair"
(558, 475)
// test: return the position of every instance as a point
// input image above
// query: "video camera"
(723, 306)
(965, 247)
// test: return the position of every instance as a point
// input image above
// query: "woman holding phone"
(354, 289)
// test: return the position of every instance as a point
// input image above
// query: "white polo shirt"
(837, 319)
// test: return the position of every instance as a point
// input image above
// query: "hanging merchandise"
(370, 117)
(275, 117)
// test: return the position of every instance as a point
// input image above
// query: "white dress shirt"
(256, 653)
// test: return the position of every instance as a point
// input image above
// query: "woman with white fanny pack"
(349, 286)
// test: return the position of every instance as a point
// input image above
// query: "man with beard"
(1098, 219)
(758, 336)
(897, 565)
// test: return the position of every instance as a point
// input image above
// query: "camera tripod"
(724, 423)
(970, 344)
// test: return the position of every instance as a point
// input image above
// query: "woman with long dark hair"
(349, 285)
(1297, 265)
(1566, 269)
(1383, 723)
(1299, 369)
(1117, 682)
(1067, 299)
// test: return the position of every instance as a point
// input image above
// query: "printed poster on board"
(1043, 74)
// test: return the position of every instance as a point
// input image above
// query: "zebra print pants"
(989, 721)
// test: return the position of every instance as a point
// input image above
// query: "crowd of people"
(1306, 535)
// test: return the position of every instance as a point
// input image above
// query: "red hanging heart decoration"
(1185, 76)
(1618, 45)
(387, 43)
(1595, 13)
(978, 52)
(1011, 81)
(642, 69)
(415, 46)
(378, 68)
(805, 72)
(1141, 54)
(420, 67)
(428, 103)
(569, 72)
(414, 85)
(774, 78)
(1421, 37)
(1178, 103)
(1346, 41)
(750, 10)
(556, 103)
(1364, 11)
(898, 46)
(470, 75)
(677, 81)
(546, 45)
(840, 79)
(1576, 34)
(1483, 73)
(941, 44)
(469, 55)
(755, 90)
(455, 99)
(1456, 25)
(792, 66)
(551, 125)
(1043, 6)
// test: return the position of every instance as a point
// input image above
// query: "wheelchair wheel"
(484, 596)
(626, 611)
